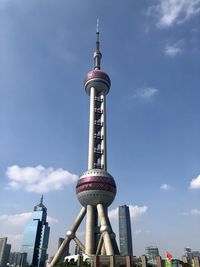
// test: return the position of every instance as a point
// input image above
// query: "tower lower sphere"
(94, 187)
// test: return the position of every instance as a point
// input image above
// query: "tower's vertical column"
(91, 130)
(89, 241)
(103, 134)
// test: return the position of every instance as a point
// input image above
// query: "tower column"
(104, 229)
(91, 129)
(89, 241)
(103, 134)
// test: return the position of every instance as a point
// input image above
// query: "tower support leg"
(105, 230)
(70, 235)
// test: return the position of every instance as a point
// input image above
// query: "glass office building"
(4, 252)
(125, 236)
(36, 236)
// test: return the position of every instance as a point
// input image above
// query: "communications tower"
(96, 188)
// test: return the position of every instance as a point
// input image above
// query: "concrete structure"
(60, 241)
(36, 236)
(125, 235)
(152, 253)
(96, 188)
(4, 251)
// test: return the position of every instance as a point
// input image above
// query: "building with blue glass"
(4, 251)
(36, 236)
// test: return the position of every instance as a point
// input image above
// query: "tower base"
(99, 261)
(106, 246)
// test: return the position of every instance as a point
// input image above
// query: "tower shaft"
(97, 131)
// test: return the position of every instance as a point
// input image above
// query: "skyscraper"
(125, 235)
(17, 259)
(96, 188)
(4, 252)
(36, 236)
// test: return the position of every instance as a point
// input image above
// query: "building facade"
(36, 236)
(151, 253)
(4, 251)
(125, 235)
(17, 259)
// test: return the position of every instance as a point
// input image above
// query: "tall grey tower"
(96, 188)
(125, 236)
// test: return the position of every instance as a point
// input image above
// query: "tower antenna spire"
(97, 53)
(41, 200)
(97, 26)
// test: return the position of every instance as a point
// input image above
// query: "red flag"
(168, 255)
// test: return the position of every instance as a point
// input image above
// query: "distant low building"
(189, 254)
(17, 259)
(152, 253)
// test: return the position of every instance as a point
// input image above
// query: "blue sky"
(151, 53)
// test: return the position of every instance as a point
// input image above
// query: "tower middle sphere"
(94, 187)
(99, 80)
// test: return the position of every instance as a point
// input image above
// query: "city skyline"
(152, 57)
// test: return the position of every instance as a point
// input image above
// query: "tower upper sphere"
(97, 78)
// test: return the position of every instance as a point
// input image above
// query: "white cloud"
(51, 220)
(15, 240)
(176, 11)
(183, 213)
(135, 212)
(21, 218)
(16, 219)
(165, 187)
(174, 49)
(39, 179)
(145, 93)
(195, 183)
(195, 212)
(137, 232)
(14, 237)
(113, 214)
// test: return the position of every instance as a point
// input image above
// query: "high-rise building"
(4, 251)
(151, 252)
(17, 259)
(36, 236)
(96, 188)
(188, 253)
(125, 235)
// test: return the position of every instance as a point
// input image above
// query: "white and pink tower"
(96, 188)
